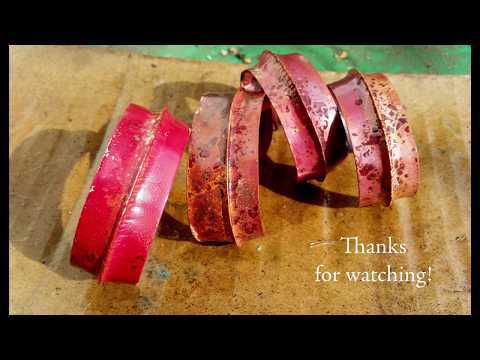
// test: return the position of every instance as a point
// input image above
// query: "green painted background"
(433, 59)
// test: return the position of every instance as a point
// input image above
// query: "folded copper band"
(294, 99)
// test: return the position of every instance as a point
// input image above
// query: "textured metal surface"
(318, 103)
(402, 150)
(58, 129)
(207, 174)
(285, 100)
(243, 166)
(366, 138)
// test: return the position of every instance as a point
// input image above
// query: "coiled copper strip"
(271, 77)
(366, 138)
(242, 165)
(402, 149)
(206, 174)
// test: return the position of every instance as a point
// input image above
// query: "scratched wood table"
(65, 100)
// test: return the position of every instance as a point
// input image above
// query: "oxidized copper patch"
(366, 138)
(402, 149)
(206, 174)
(242, 165)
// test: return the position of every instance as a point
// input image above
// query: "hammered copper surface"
(62, 100)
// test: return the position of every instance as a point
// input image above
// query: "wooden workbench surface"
(63, 100)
